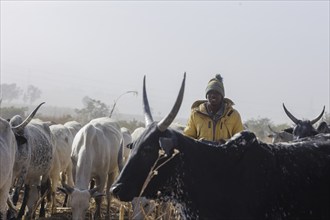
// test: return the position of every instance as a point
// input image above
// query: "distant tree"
(9, 112)
(92, 109)
(259, 127)
(10, 92)
(57, 119)
(31, 94)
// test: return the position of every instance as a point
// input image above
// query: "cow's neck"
(83, 171)
(192, 174)
(173, 187)
(179, 180)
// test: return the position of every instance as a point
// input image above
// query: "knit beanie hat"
(216, 84)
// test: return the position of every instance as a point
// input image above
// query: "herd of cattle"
(241, 179)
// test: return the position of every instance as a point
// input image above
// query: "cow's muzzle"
(115, 189)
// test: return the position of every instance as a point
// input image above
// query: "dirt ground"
(64, 213)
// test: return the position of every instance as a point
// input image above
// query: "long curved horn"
(146, 109)
(165, 122)
(21, 126)
(319, 117)
(294, 119)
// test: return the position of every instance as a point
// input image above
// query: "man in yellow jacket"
(214, 119)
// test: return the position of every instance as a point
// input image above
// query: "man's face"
(214, 98)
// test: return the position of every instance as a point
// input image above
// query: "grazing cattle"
(94, 156)
(303, 128)
(241, 179)
(73, 126)
(63, 139)
(8, 148)
(66, 176)
(33, 162)
(62, 165)
(10, 144)
(281, 136)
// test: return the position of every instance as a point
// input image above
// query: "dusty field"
(64, 213)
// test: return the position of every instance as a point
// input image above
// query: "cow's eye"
(129, 146)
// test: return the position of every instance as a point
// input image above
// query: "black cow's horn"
(319, 117)
(165, 122)
(21, 126)
(146, 108)
(294, 119)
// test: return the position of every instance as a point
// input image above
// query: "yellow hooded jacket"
(202, 126)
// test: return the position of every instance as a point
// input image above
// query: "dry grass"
(64, 213)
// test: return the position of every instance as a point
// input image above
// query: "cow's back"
(95, 148)
(42, 152)
(63, 139)
(109, 134)
(62, 146)
(73, 126)
(302, 178)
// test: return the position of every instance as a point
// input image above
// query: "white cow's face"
(79, 203)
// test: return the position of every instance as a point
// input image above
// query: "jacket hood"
(199, 104)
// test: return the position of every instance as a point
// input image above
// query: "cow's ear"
(167, 144)
(289, 130)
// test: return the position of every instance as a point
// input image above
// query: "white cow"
(8, 148)
(62, 165)
(127, 139)
(10, 141)
(94, 156)
(279, 136)
(39, 154)
(73, 126)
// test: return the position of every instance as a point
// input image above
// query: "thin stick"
(154, 171)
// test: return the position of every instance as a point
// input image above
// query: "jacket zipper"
(214, 126)
(214, 122)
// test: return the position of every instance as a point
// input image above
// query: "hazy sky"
(268, 52)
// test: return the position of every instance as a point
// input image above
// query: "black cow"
(241, 179)
(303, 128)
(323, 128)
